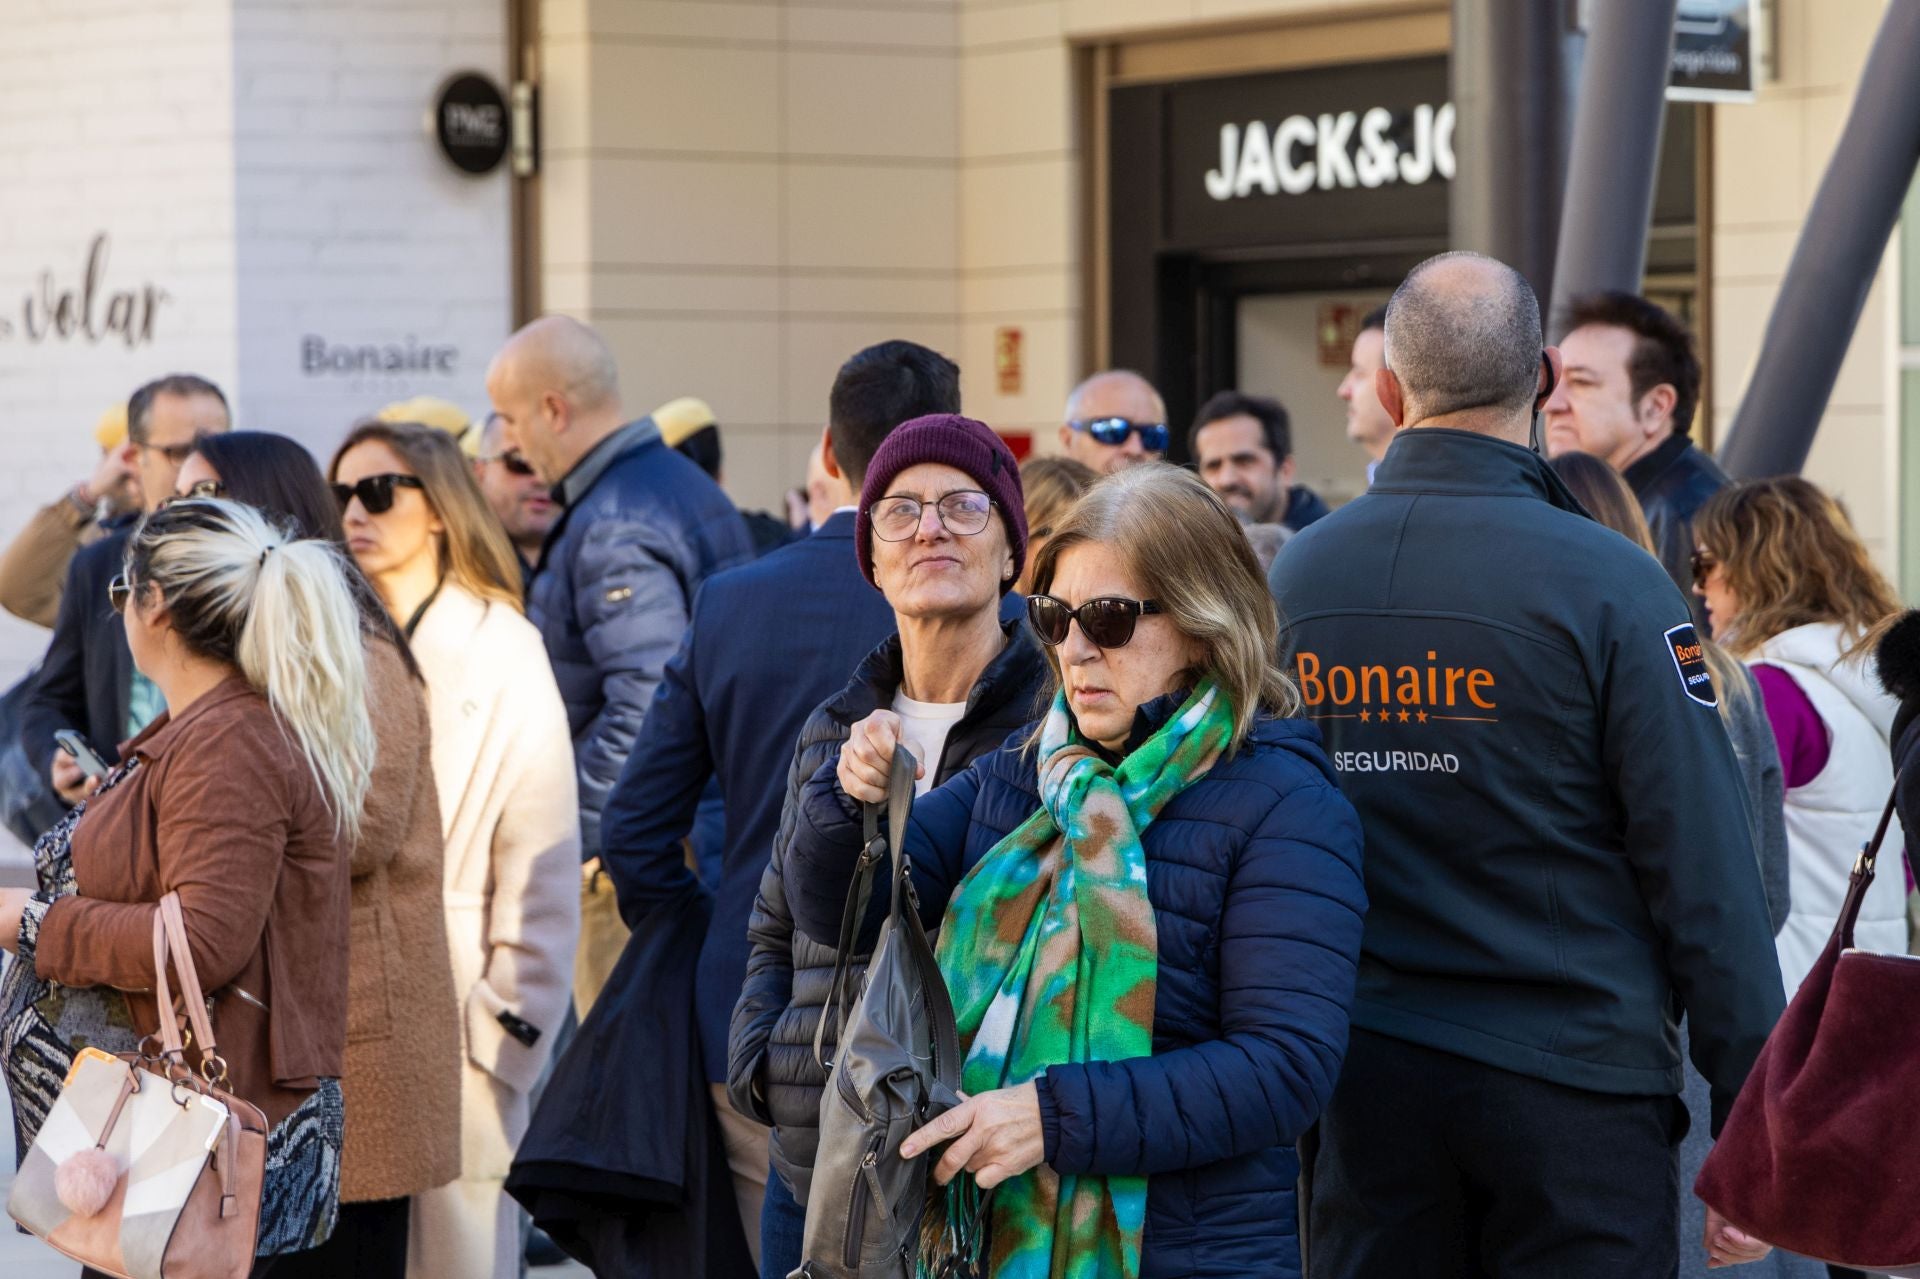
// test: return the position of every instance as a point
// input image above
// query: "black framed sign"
(470, 122)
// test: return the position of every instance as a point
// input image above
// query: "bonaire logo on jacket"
(1416, 704)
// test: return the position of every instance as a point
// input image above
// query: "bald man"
(1115, 419)
(641, 528)
(1558, 852)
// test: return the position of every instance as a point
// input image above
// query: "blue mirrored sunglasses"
(1154, 436)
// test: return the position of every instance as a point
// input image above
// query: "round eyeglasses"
(962, 513)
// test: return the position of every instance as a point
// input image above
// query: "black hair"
(1374, 319)
(279, 478)
(1270, 413)
(877, 390)
(1663, 349)
(703, 449)
(140, 403)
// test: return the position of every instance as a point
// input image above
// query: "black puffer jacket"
(771, 1073)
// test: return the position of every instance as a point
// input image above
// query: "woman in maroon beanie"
(942, 533)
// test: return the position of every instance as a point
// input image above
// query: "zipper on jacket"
(865, 1191)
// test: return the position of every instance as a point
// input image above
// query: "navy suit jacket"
(768, 642)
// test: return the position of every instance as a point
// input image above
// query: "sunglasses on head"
(375, 491)
(204, 489)
(511, 459)
(118, 591)
(1107, 621)
(1154, 436)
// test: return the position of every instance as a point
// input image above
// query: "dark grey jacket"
(1673, 482)
(771, 1073)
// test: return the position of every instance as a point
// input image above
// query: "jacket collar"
(1434, 459)
(1017, 668)
(587, 471)
(153, 740)
(839, 526)
(1644, 471)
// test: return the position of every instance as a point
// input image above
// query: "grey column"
(1512, 90)
(1616, 151)
(1834, 262)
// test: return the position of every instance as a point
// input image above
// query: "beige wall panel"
(1016, 101)
(669, 292)
(1850, 460)
(845, 215)
(565, 206)
(1825, 117)
(759, 463)
(877, 6)
(1746, 256)
(685, 212)
(817, 349)
(1085, 18)
(1739, 316)
(562, 18)
(871, 104)
(690, 98)
(680, 19)
(1838, 34)
(995, 24)
(931, 28)
(731, 363)
(1758, 178)
(566, 100)
(916, 296)
(1019, 213)
(1048, 346)
(992, 294)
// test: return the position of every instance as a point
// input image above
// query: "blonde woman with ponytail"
(244, 798)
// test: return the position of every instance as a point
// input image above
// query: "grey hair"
(1463, 332)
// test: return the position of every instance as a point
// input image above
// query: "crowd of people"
(1318, 891)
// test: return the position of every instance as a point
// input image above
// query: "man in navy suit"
(767, 643)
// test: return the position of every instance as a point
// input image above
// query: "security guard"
(1558, 855)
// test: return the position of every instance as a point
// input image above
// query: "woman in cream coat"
(503, 763)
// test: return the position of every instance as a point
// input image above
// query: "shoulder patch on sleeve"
(1690, 662)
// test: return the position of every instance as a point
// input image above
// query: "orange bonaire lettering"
(1476, 681)
(1689, 652)
(1312, 691)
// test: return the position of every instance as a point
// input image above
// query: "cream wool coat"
(503, 764)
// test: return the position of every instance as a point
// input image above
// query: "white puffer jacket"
(1832, 816)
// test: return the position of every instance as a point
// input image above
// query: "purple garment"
(1797, 728)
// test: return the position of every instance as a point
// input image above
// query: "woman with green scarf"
(1149, 905)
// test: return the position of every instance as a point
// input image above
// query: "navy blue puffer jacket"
(614, 590)
(1254, 875)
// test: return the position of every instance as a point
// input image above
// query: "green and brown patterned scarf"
(1049, 949)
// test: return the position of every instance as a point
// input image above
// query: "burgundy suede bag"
(1821, 1153)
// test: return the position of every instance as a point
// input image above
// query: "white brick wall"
(266, 164)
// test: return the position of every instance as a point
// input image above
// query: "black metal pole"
(1835, 259)
(1512, 90)
(1616, 151)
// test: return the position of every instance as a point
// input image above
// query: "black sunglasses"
(119, 590)
(1703, 564)
(1154, 436)
(511, 459)
(1107, 622)
(175, 454)
(375, 492)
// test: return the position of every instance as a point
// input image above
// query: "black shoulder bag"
(896, 1067)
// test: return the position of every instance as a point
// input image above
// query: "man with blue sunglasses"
(1115, 419)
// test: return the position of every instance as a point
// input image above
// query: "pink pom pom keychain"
(84, 1181)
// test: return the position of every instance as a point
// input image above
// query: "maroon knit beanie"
(965, 445)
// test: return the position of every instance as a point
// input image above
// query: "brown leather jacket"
(33, 568)
(224, 811)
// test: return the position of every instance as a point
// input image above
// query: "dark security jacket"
(1673, 482)
(1558, 852)
(86, 679)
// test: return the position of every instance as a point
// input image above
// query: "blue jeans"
(782, 1227)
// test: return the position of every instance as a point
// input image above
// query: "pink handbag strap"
(170, 942)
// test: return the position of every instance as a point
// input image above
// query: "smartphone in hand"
(82, 752)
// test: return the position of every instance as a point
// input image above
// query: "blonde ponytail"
(282, 611)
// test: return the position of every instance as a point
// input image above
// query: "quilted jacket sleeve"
(631, 607)
(827, 842)
(1289, 943)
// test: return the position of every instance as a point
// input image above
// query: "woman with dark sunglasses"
(503, 764)
(1149, 908)
(941, 532)
(400, 1013)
